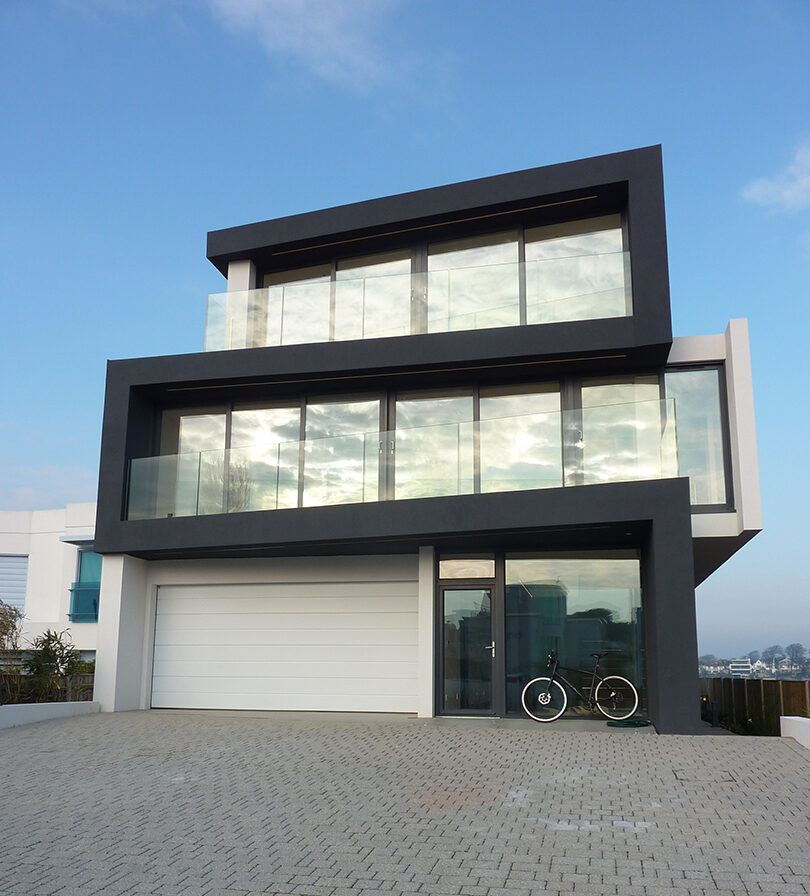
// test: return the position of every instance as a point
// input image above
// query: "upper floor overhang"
(627, 185)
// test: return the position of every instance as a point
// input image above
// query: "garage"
(348, 646)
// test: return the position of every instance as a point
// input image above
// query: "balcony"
(327, 307)
(610, 443)
(84, 601)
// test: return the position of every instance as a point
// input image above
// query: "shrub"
(10, 635)
(51, 664)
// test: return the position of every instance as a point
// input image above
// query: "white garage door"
(344, 646)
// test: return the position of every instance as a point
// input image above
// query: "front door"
(468, 654)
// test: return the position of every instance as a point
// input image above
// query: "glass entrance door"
(468, 650)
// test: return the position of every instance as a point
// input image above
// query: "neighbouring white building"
(49, 571)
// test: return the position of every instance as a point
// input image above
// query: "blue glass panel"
(84, 602)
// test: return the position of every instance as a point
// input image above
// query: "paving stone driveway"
(202, 804)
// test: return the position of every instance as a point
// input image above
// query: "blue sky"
(132, 127)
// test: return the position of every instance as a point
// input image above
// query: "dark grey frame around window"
(499, 609)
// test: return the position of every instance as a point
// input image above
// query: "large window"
(263, 461)
(341, 452)
(434, 446)
(575, 605)
(474, 283)
(297, 306)
(373, 296)
(577, 271)
(520, 438)
(701, 434)
(623, 421)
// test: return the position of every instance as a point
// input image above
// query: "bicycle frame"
(554, 665)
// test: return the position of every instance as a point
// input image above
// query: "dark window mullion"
(476, 434)
(573, 433)
(384, 476)
(301, 437)
(521, 239)
(726, 433)
(419, 297)
(226, 461)
(332, 300)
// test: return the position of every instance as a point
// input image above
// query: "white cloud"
(333, 39)
(46, 487)
(787, 191)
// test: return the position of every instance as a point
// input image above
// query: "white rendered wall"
(241, 277)
(426, 629)
(122, 616)
(52, 566)
(733, 350)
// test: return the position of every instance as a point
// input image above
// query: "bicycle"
(545, 699)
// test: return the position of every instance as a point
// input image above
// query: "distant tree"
(600, 613)
(753, 655)
(771, 654)
(795, 653)
(708, 659)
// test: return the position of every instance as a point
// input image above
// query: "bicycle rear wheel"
(544, 700)
(616, 698)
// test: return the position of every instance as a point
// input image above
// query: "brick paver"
(205, 804)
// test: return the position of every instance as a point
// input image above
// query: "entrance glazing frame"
(497, 586)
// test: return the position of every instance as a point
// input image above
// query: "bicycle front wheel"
(544, 700)
(616, 698)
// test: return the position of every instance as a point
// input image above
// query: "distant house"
(740, 668)
(50, 572)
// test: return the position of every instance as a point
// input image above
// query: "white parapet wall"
(27, 713)
(796, 727)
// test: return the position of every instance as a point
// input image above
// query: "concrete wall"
(52, 566)
(797, 728)
(28, 713)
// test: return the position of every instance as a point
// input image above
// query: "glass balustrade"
(544, 290)
(614, 443)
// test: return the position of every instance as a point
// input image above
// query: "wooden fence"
(15, 688)
(753, 705)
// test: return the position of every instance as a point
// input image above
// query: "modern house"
(431, 437)
(50, 572)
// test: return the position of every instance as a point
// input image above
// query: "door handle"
(491, 648)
